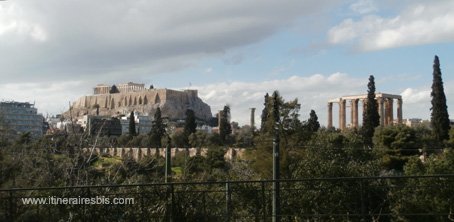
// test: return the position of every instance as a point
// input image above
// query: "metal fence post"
(363, 208)
(204, 206)
(263, 200)
(276, 177)
(276, 164)
(11, 205)
(168, 167)
(228, 199)
(172, 196)
(171, 207)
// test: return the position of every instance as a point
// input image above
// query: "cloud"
(312, 92)
(63, 40)
(413, 96)
(417, 101)
(49, 98)
(417, 24)
(15, 28)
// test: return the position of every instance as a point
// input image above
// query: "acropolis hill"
(127, 97)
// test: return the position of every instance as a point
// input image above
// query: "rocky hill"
(173, 104)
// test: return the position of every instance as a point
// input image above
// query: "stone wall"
(139, 153)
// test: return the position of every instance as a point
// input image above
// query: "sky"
(232, 51)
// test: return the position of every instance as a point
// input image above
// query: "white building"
(143, 123)
(58, 122)
(416, 122)
(205, 128)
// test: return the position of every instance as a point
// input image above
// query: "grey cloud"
(91, 39)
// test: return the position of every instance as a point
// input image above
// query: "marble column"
(342, 117)
(330, 115)
(354, 113)
(386, 114)
(391, 111)
(381, 111)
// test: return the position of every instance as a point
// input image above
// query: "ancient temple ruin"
(128, 97)
(385, 109)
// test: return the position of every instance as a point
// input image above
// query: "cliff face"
(173, 104)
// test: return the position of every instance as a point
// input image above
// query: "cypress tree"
(132, 125)
(371, 118)
(190, 126)
(158, 129)
(269, 115)
(114, 89)
(225, 129)
(439, 116)
(277, 103)
(265, 112)
(312, 123)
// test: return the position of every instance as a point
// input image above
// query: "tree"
(114, 89)
(4, 128)
(215, 158)
(265, 112)
(288, 122)
(394, 145)
(411, 191)
(328, 154)
(244, 137)
(190, 126)
(179, 139)
(198, 139)
(288, 113)
(132, 124)
(158, 129)
(312, 123)
(439, 116)
(307, 129)
(371, 118)
(225, 129)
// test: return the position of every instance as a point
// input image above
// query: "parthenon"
(123, 88)
(385, 109)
